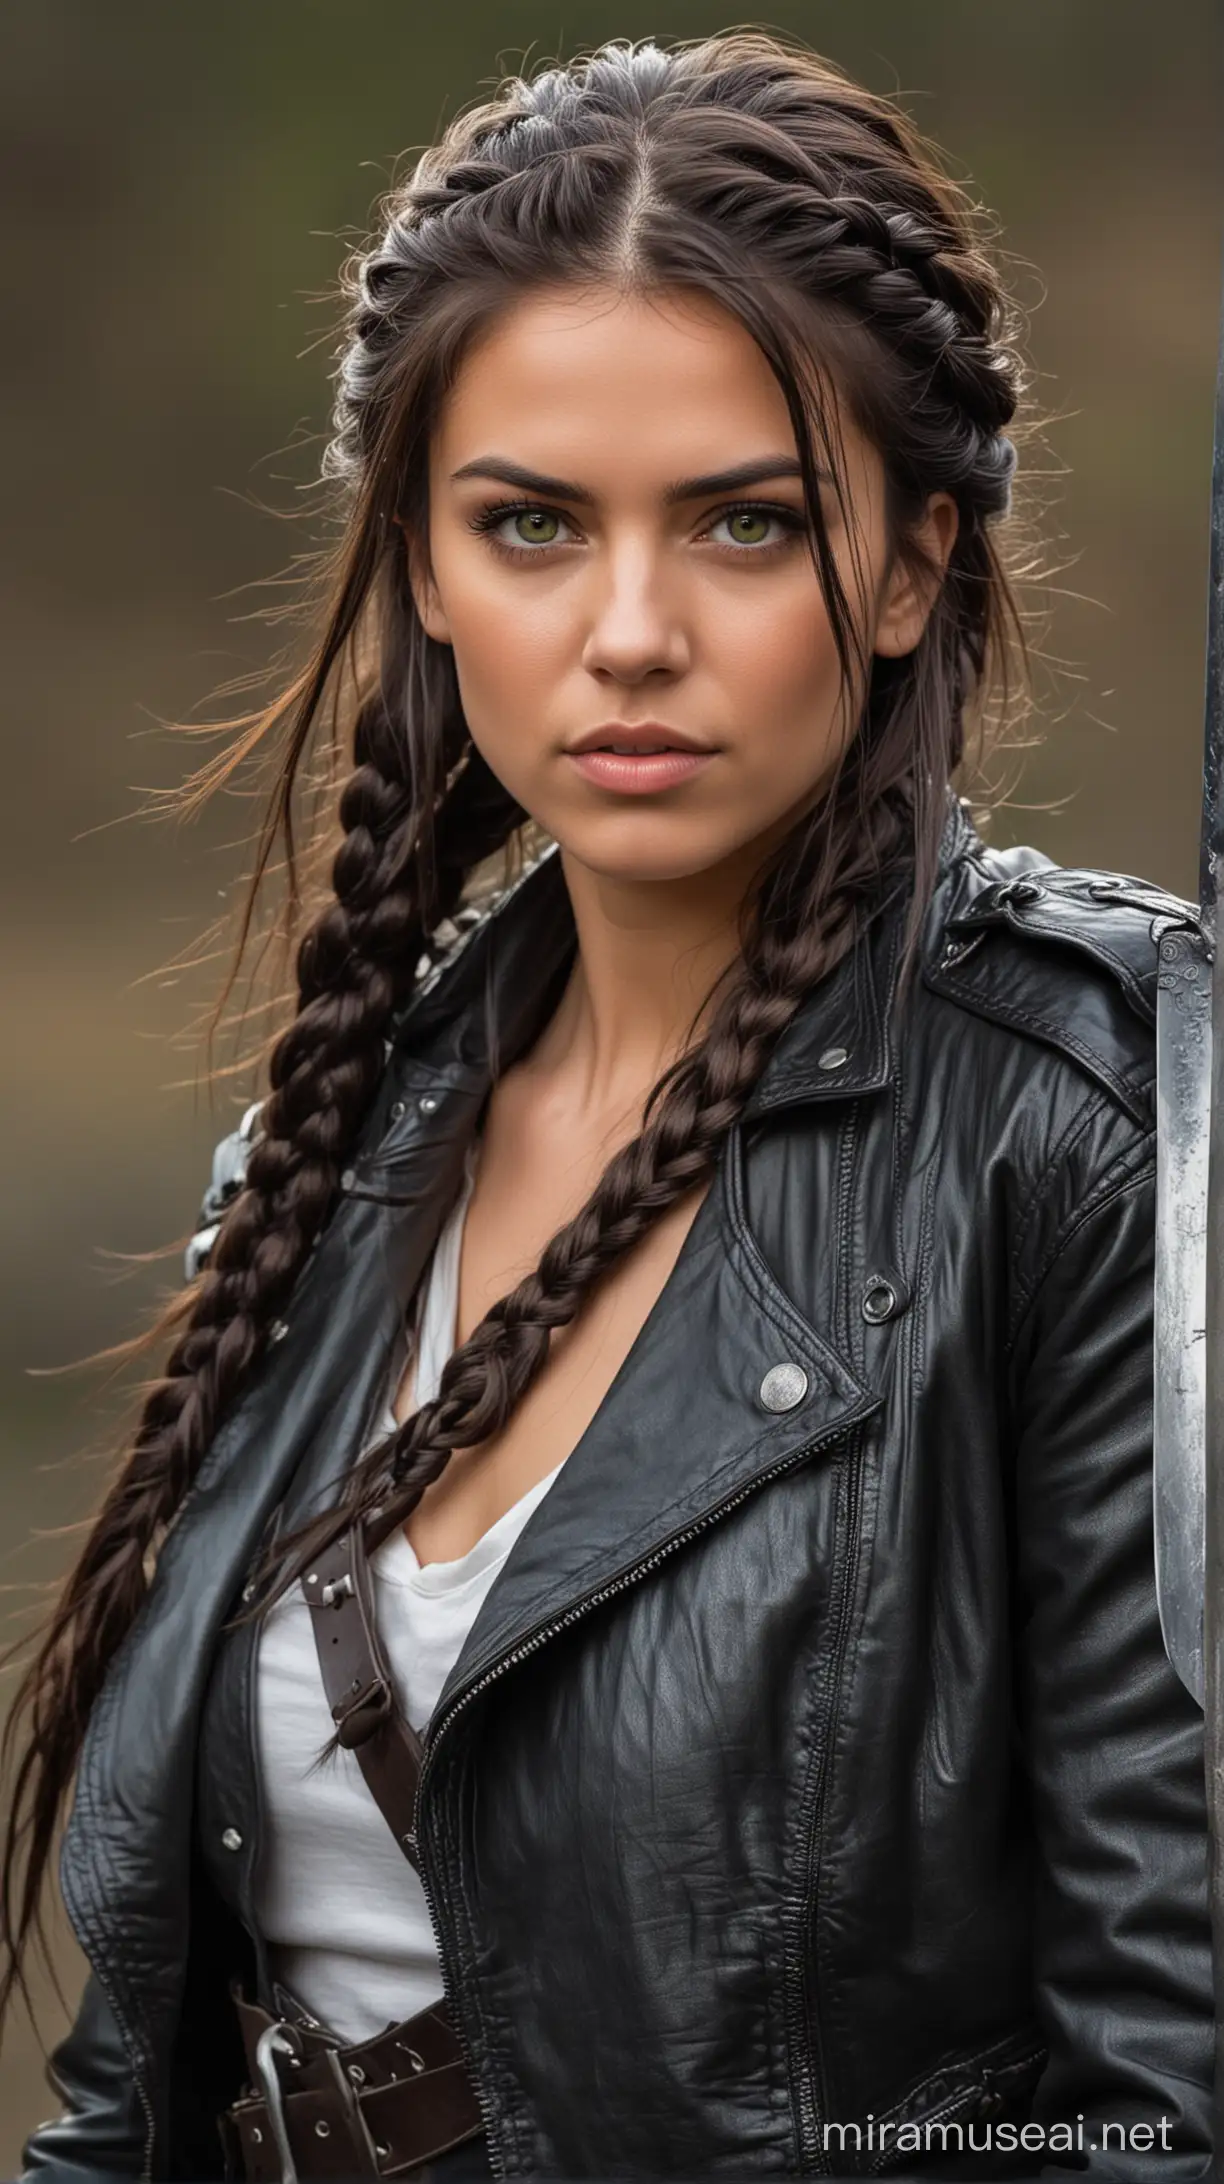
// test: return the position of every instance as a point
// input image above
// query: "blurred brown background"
(179, 185)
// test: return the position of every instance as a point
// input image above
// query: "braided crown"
(641, 163)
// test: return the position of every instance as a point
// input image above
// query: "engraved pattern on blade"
(1183, 1098)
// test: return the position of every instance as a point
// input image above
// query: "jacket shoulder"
(1069, 955)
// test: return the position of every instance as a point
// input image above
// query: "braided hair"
(743, 167)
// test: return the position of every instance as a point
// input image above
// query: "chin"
(648, 849)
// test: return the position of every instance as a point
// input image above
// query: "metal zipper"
(531, 1645)
(496, 2163)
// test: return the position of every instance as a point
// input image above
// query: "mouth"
(637, 771)
(649, 739)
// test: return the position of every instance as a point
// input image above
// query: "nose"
(637, 624)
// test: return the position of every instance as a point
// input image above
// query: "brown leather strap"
(358, 1684)
(317, 2108)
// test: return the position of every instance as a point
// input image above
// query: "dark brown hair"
(747, 170)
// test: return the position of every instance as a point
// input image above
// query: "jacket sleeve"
(1112, 1740)
(102, 2133)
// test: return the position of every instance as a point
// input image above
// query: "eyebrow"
(682, 489)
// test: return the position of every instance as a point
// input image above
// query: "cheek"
(771, 648)
(510, 641)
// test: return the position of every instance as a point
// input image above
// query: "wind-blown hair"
(749, 172)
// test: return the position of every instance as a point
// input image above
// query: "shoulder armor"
(1006, 952)
(228, 1175)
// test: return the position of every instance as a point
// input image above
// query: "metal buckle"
(270, 2044)
(362, 1714)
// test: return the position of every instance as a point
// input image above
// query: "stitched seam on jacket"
(980, 2058)
(1012, 2052)
(1038, 1027)
(1076, 1127)
(87, 1916)
(1109, 1187)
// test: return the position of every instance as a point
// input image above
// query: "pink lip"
(638, 773)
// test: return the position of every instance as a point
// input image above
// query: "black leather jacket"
(814, 1766)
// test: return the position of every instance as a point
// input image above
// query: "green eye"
(538, 526)
(748, 526)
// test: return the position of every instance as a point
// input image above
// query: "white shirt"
(341, 1908)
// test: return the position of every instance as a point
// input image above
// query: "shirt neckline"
(395, 1563)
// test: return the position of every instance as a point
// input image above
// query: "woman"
(678, 1329)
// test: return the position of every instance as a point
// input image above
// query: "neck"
(648, 954)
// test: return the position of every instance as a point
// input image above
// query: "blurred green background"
(179, 187)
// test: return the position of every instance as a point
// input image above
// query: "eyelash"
(485, 523)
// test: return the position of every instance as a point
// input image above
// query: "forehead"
(592, 383)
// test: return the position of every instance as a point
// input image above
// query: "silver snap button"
(783, 1387)
(834, 1058)
(322, 2130)
(278, 1330)
(348, 1179)
(356, 2073)
(399, 1110)
(231, 1840)
(427, 1103)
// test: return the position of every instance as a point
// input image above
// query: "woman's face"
(615, 541)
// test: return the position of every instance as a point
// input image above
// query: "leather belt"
(382, 2106)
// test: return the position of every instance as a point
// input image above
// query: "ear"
(910, 591)
(424, 589)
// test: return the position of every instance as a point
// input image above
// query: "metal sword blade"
(1189, 1413)
(1183, 1097)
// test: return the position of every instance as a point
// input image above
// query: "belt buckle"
(271, 2043)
